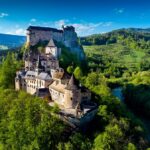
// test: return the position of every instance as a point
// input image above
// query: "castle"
(66, 35)
(43, 77)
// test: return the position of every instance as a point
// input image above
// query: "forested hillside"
(123, 58)
(119, 52)
(28, 122)
(11, 41)
(138, 37)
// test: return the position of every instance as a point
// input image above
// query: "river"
(118, 93)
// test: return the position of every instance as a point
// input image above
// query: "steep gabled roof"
(51, 43)
(72, 83)
(72, 80)
(44, 76)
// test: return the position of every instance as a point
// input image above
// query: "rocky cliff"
(66, 35)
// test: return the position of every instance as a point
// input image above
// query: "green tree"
(70, 69)
(78, 73)
(131, 147)
(30, 123)
(8, 71)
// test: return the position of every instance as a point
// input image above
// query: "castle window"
(71, 98)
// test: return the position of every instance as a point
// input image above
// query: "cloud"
(119, 11)
(33, 20)
(86, 27)
(2, 15)
(90, 28)
(60, 23)
(18, 31)
(83, 28)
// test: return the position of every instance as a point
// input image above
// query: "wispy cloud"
(89, 28)
(2, 15)
(60, 23)
(119, 10)
(18, 31)
(33, 20)
(82, 28)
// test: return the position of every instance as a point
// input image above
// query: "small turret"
(18, 82)
(51, 49)
(51, 43)
(72, 83)
(68, 28)
(57, 73)
(72, 94)
(39, 67)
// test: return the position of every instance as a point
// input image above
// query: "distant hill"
(138, 30)
(8, 41)
(135, 34)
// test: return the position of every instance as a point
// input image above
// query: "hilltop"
(115, 36)
(8, 41)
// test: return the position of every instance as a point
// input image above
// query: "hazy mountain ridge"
(8, 41)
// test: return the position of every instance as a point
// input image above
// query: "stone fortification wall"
(66, 35)
(35, 35)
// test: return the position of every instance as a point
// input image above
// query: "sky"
(87, 16)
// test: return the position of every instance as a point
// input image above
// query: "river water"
(118, 93)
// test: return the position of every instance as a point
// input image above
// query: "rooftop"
(57, 86)
(43, 29)
(44, 76)
(51, 43)
(50, 29)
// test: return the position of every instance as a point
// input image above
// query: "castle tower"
(52, 49)
(17, 82)
(72, 83)
(70, 36)
(39, 67)
(72, 94)
(57, 73)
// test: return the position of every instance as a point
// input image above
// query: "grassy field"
(116, 54)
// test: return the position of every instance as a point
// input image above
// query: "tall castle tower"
(18, 82)
(39, 68)
(72, 94)
(51, 49)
